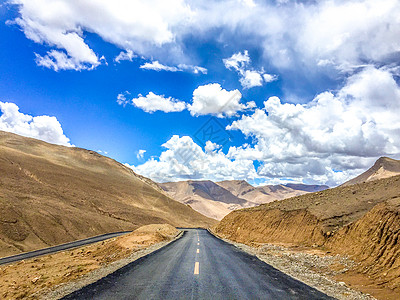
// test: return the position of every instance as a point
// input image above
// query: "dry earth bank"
(360, 221)
(56, 275)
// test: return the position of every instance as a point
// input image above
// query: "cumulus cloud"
(316, 140)
(329, 140)
(44, 128)
(125, 55)
(183, 159)
(156, 66)
(212, 99)
(130, 25)
(316, 36)
(240, 62)
(152, 102)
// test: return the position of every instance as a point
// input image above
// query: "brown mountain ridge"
(361, 220)
(53, 194)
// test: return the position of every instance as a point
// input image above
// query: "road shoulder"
(308, 267)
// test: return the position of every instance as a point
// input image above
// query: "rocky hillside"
(384, 167)
(217, 199)
(360, 220)
(52, 194)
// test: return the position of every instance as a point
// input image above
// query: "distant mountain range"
(217, 199)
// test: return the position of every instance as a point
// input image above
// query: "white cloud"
(291, 35)
(183, 159)
(152, 102)
(212, 99)
(329, 140)
(269, 78)
(129, 24)
(359, 122)
(240, 62)
(156, 66)
(125, 55)
(58, 60)
(140, 154)
(237, 61)
(249, 3)
(251, 79)
(44, 128)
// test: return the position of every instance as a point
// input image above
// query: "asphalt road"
(62, 247)
(198, 266)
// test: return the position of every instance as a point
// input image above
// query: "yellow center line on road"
(196, 268)
(198, 251)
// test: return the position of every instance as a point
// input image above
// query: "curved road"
(198, 266)
(62, 247)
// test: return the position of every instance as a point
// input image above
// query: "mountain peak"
(384, 167)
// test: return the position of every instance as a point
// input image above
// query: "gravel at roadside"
(311, 269)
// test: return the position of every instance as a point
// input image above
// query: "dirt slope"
(52, 194)
(217, 199)
(361, 220)
(384, 167)
(374, 241)
(324, 212)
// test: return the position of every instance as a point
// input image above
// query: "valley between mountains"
(51, 195)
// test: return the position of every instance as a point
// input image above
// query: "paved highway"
(62, 247)
(198, 266)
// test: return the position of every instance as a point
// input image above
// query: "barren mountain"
(216, 200)
(206, 197)
(268, 193)
(52, 194)
(384, 167)
(360, 220)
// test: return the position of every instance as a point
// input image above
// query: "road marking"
(198, 244)
(198, 239)
(198, 250)
(196, 268)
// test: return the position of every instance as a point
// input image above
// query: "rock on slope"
(384, 167)
(217, 199)
(360, 220)
(52, 194)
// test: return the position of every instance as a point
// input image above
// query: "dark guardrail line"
(66, 246)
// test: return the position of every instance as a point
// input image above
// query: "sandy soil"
(36, 277)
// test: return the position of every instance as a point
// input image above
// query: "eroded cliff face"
(374, 241)
(272, 226)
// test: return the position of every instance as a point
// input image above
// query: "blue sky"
(306, 91)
